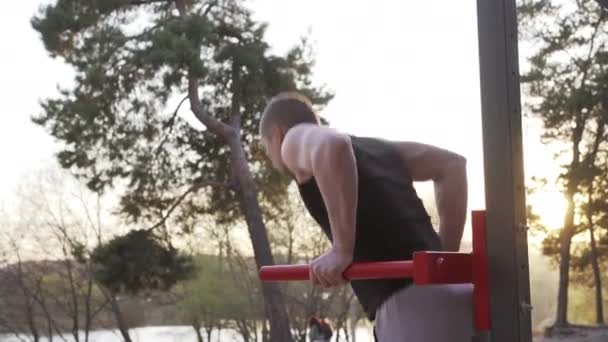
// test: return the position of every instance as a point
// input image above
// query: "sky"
(400, 70)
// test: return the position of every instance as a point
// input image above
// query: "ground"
(579, 335)
(185, 334)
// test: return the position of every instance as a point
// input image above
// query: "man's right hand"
(328, 269)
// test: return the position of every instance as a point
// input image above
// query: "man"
(360, 191)
(319, 330)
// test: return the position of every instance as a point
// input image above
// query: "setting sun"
(550, 206)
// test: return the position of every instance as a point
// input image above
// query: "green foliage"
(138, 261)
(564, 72)
(566, 87)
(208, 295)
(216, 299)
(131, 59)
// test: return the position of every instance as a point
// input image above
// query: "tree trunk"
(209, 331)
(265, 331)
(88, 315)
(49, 327)
(74, 297)
(199, 335)
(31, 322)
(275, 307)
(51, 324)
(120, 321)
(565, 238)
(29, 299)
(597, 277)
(243, 329)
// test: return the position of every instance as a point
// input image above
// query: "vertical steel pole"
(504, 176)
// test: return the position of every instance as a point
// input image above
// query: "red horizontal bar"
(363, 270)
(426, 268)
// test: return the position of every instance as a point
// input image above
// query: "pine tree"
(132, 58)
(564, 87)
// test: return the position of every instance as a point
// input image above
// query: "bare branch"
(80, 197)
(194, 188)
(209, 7)
(100, 308)
(98, 212)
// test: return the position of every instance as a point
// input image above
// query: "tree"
(563, 87)
(132, 59)
(204, 298)
(594, 214)
(53, 250)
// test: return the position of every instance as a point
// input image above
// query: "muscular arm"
(447, 170)
(313, 151)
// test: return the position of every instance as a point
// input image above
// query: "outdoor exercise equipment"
(508, 282)
(426, 268)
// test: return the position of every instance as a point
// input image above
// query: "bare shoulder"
(309, 131)
(307, 136)
(304, 142)
(424, 161)
(415, 150)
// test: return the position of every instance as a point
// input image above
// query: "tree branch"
(227, 31)
(213, 124)
(194, 188)
(148, 31)
(181, 6)
(196, 106)
(170, 124)
(588, 61)
(235, 105)
(100, 308)
(145, 2)
(209, 7)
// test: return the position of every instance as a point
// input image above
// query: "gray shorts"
(430, 313)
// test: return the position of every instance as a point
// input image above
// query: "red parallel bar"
(481, 294)
(363, 270)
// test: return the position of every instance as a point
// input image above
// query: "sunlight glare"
(550, 206)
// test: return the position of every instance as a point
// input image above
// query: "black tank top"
(391, 220)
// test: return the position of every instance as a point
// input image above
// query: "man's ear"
(280, 133)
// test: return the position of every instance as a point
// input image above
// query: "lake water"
(163, 334)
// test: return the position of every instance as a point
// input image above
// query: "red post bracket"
(442, 268)
(481, 290)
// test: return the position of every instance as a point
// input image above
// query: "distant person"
(360, 191)
(319, 330)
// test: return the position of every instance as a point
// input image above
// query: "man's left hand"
(327, 270)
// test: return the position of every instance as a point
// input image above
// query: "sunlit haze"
(400, 70)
